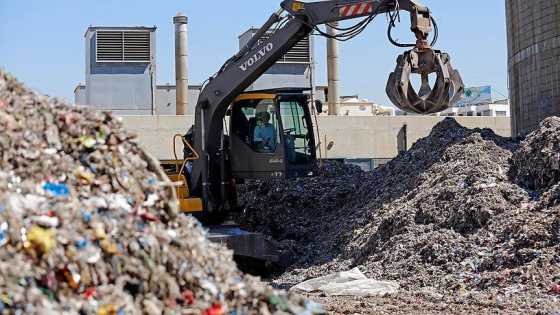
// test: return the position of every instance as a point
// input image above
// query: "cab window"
(249, 125)
(296, 132)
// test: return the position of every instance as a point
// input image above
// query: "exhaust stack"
(181, 73)
(333, 71)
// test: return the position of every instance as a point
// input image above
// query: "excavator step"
(186, 203)
(250, 244)
(182, 192)
(178, 178)
(192, 204)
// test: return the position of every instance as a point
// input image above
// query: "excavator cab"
(271, 136)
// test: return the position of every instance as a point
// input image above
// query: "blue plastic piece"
(57, 189)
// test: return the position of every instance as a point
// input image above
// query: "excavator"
(221, 149)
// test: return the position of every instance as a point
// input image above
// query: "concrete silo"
(533, 36)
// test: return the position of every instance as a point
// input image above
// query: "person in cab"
(265, 134)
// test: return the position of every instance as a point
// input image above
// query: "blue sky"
(42, 42)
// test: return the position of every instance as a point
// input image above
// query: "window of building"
(487, 112)
(501, 113)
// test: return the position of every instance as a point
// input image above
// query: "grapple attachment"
(447, 89)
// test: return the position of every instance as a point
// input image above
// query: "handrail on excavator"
(318, 136)
(195, 157)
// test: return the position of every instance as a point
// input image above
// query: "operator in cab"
(265, 134)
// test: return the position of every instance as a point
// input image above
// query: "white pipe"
(333, 71)
(181, 72)
(383, 110)
(390, 111)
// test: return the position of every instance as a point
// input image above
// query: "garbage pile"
(88, 225)
(465, 217)
(536, 165)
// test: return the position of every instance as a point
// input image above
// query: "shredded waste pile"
(465, 218)
(88, 225)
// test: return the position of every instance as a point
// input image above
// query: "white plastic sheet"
(352, 282)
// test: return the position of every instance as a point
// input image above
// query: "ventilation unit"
(298, 54)
(120, 69)
(122, 46)
(294, 71)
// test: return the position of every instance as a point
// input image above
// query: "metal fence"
(368, 165)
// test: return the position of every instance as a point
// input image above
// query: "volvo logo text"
(257, 56)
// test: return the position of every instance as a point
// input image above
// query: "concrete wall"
(352, 137)
(156, 132)
(533, 36)
(165, 99)
(378, 137)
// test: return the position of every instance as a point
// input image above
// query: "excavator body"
(270, 134)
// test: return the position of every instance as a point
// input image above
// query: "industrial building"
(498, 108)
(479, 101)
(120, 74)
(120, 71)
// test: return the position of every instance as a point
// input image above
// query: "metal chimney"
(333, 71)
(181, 73)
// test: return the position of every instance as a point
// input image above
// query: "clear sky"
(42, 42)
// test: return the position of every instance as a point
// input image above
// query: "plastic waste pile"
(87, 224)
(464, 217)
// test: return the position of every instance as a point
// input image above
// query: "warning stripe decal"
(355, 9)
